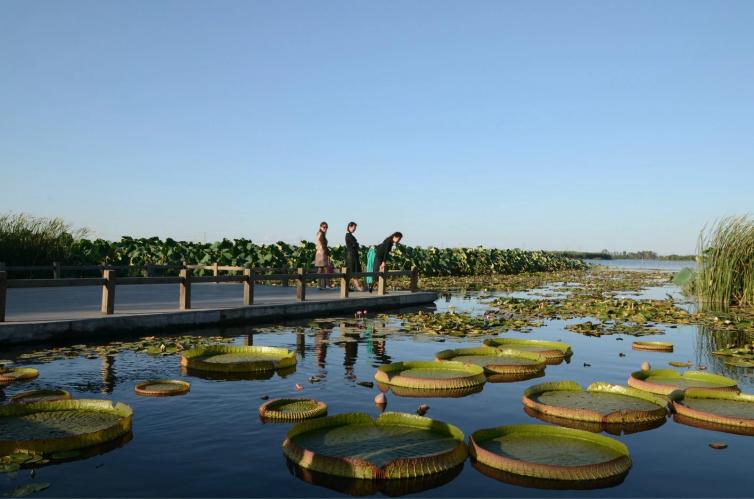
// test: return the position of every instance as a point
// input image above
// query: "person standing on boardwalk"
(322, 256)
(382, 251)
(353, 260)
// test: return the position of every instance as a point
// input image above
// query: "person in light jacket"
(322, 256)
(353, 259)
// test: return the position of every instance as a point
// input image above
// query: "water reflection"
(709, 425)
(360, 487)
(109, 380)
(512, 378)
(231, 376)
(545, 483)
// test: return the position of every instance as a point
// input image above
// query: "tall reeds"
(726, 264)
(29, 240)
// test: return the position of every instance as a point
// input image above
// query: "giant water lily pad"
(667, 381)
(17, 374)
(596, 426)
(292, 409)
(553, 351)
(550, 452)
(497, 361)
(224, 358)
(726, 411)
(652, 346)
(600, 402)
(40, 396)
(162, 388)
(395, 445)
(402, 391)
(61, 425)
(431, 375)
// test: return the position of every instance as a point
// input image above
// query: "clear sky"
(556, 125)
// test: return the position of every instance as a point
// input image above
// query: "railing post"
(147, 270)
(248, 287)
(56, 270)
(108, 292)
(345, 281)
(286, 282)
(184, 299)
(215, 272)
(3, 291)
(381, 282)
(414, 287)
(301, 285)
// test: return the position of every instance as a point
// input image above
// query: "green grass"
(725, 277)
(29, 240)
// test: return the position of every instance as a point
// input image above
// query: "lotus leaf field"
(428, 402)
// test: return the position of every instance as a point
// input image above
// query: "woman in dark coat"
(383, 250)
(353, 260)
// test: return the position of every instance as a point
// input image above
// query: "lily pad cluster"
(463, 324)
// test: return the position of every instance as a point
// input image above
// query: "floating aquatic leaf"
(28, 489)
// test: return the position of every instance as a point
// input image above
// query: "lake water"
(670, 265)
(211, 441)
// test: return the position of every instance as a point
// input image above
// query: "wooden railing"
(185, 278)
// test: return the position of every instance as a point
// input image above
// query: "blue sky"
(556, 125)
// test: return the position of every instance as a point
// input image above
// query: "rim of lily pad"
(17, 374)
(45, 395)
(352, 467)
(296, 409)
(73, 441)
(622, 416)
(281, 358)
(545, 483)
(554, 351)
(639, 380)
(358, 487)
(597, 427)
(512, 378)
(151, 389)
(469, 375)
(652, 346)
(732, 422)
(537, 364)
(611, 468)
(402, 391)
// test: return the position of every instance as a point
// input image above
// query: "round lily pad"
(402, 391)
(545, 483)
(730, 411)
(550, 452)
(597, 426)
(497, 360)
(652, 346)
(162, 388)
(431, 375)
(224, 358)
(667, 381)
(395, 445)
(62, 425)
(17, 373)
(292, 409)
(40, 396)
(553, 351)
(600, 402)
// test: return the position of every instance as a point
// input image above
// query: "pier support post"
(215, 270)
(382, 282)
(56, 270)
(108, 292)
(286, 282)
(414, 287)
(3, 292)
(248, 287)
(184, 299)
(301, 285)
(345, 281)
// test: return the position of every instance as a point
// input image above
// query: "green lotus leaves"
(600, 402)
(40, 396)
(496, 360)
(162, 388)
(238, 359)
(553, 351)
(652, 346)
(61, 425)
(292, 409)
(395, 445)
(550, 453)
(12, 374)
(667, 381)
(427, 375)
(725, 411)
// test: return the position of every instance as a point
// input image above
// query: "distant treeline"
(622, 255)
(26, 240)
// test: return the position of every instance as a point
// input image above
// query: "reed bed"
(725, 276)
(29, 240)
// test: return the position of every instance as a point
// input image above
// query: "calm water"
(671, 265)
(212, 443)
